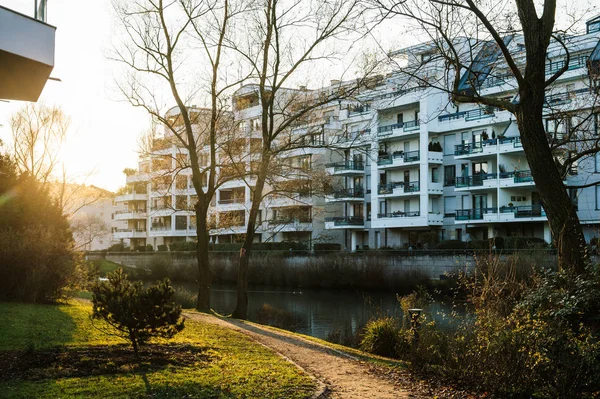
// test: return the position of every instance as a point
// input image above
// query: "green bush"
(186, 246)
(518, 242)
(37, 260)
(381, 337)
(137, 313)
(149, 248)
(161, 247)
(479, 244)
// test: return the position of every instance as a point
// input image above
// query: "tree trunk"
(564, 223)
(241, 306)
(204, 273)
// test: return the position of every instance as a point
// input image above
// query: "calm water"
(315, 313)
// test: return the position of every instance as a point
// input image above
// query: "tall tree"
(286, 39)
(177, 47)
(38, 132)
(468, 39)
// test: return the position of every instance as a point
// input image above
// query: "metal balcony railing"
(356, 192)
(346, 220)
(407, 187)
(473, 181)
(470, 115)
(239, 200)
(346, 165)
(473, 214)
(399, 214)
(574, 63)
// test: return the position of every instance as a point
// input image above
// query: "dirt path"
(344, 377)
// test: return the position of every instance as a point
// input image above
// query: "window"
(368, 183)
(597, 197)
(449, 141)
(597, 163)
(449, 206)
(180, 222)
(449, 175)
(400, 119)
(574, 196)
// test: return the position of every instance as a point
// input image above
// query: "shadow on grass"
(64, 362)
(31, 326)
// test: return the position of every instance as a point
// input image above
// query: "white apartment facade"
(404, 162)
(422, 165)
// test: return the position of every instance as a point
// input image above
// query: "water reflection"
(314, 312)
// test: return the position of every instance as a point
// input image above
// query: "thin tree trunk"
(562, 216)
(241, 306)
(204, 274)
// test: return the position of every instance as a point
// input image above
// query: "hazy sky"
(104, 130)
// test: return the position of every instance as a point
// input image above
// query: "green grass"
(106, 266)
(239, 367)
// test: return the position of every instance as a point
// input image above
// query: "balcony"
(350, 139)
(482, 180)
(347, 194)
(398, 159)
(399, 214)
(518, 177)
(480, 214)
(398, 130)
(509, 144)
(26, 55)
(471, 115)
(346, 168)
(131, 197)
(285, 225)
(480, 148)
(126, 215)
(522, 213)
(344, 222)
(129, 233)
(398, 189)
(230, 201)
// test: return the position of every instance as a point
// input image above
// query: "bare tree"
(87, 228)
(38, 132)
(167, 45)
(286, 38)
(468, 40)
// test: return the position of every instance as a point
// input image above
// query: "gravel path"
(343, 376)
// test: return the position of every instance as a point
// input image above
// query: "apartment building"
(403, 162)
(159, 196)
(417, 164)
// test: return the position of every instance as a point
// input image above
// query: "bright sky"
(104, 130)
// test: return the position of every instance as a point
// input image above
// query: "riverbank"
(49, 351)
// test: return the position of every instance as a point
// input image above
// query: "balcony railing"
(399, 214)
(525, 211)
(388, 159)
(347, 165)
(239, 200)
(408, 187)
(474, 214)
(523, 176)
(290, 220)
(383, 131)
(574, 63)
(473, 181)
(357, 192)
(346, 220)
(470, 115)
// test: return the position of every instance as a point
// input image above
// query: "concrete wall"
(432, 266)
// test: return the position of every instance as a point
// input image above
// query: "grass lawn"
(106, 266)
(203, 361)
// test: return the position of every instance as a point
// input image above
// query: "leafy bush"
(149, 248)
(381, 337)
(118, 247)
(518, 242)
(161, 247)
(37, 261)
(183, 246)
(136, 313)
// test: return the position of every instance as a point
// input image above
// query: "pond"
(313, 312)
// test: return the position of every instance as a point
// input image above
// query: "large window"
(449, 141)
(449, 206)
(597, 197)
(449, 175)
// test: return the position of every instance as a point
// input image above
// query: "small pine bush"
(135, 312)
